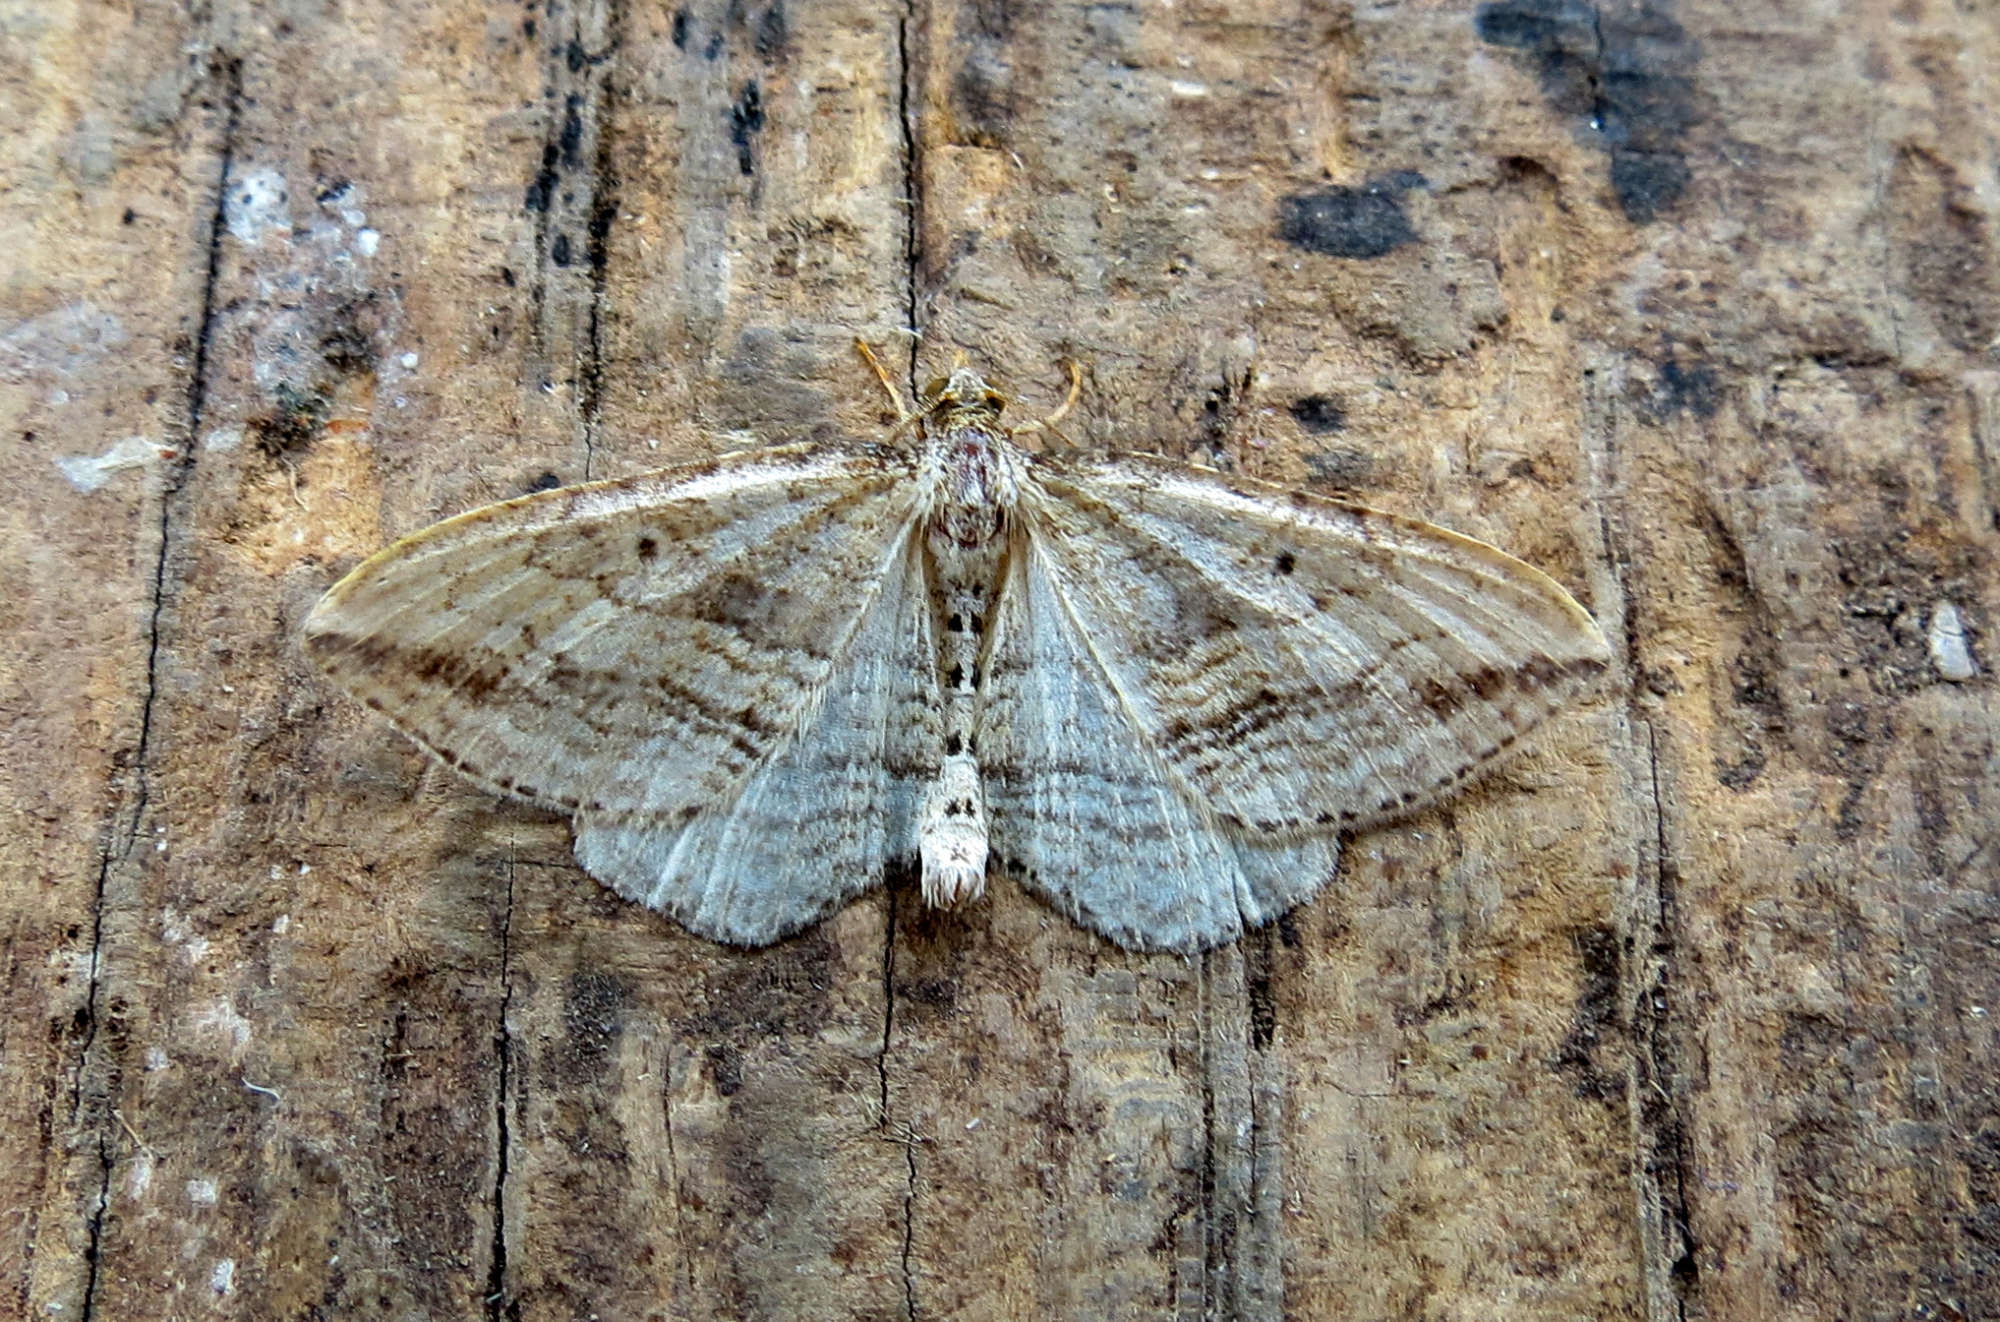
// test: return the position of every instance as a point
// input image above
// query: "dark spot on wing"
(953, 745)
(1240, 719)
(648, 548)
(745, 604)
(1490, 683)
(1444, 698)
(753, 720)
(1285, 562)
(434, 666)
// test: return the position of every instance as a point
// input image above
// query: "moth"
(1154, 693)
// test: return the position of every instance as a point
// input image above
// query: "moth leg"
(1048, 424)
(903, 413)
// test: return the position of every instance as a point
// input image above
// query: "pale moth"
(1153, 693)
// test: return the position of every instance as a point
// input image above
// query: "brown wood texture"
(1687, 1013)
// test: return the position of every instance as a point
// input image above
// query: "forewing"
(1302, 664)
(1083, 808)
(633, 647)
(815, 825)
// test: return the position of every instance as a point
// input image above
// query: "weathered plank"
(1683, 1014)
(106, 229)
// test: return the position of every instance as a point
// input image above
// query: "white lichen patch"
(220, 1017)
(139, 1175)
(1951, 652)
(174, 931)
(89, 472)
(59, 342)
(258, 205)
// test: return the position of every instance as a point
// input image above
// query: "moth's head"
(964, 391)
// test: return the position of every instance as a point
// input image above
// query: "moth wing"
(1302, 664)
(1084, 810)
(637, 647)
(814, 825)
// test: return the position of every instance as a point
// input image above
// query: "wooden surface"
(1687, 1013)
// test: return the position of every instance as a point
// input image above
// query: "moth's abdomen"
(952, 849)
(966, 559)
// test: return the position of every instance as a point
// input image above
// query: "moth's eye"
(995, 402)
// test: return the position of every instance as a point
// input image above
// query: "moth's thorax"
(974, 475)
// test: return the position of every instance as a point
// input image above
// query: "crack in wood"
(119, 842)
(498, 1308)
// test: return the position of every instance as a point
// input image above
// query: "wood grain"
(1687, 1014)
